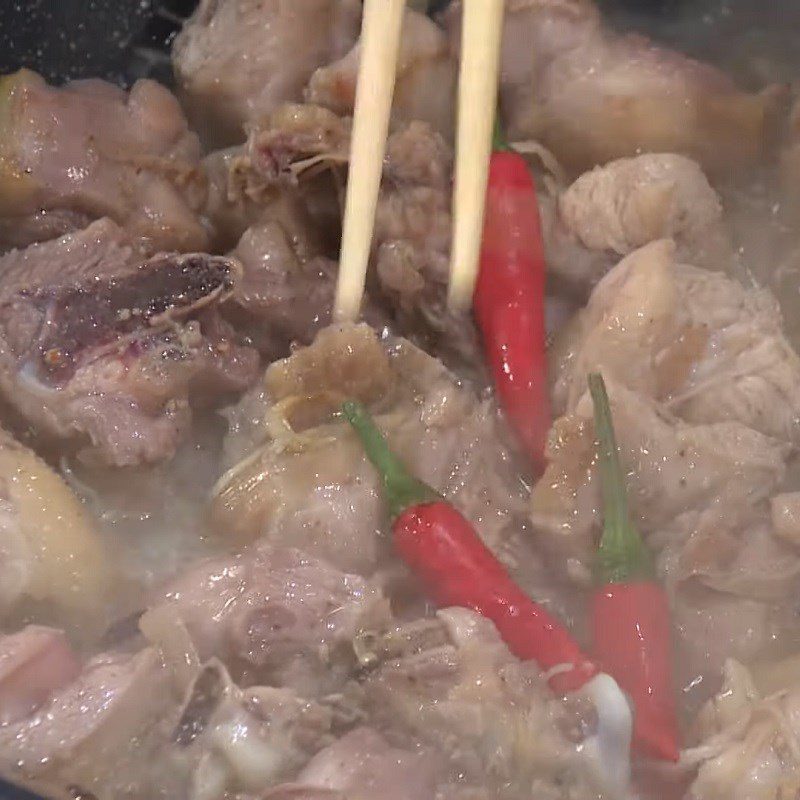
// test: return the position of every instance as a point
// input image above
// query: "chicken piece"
(273, 616)
(707, 347)
(425, 85)
(615, 209)
(590, 94)
(239, 199)
(675, 470)
(34, 663)
(102, 349)
(363, 763)
(54, 563)
(289, 142)
(244, 740)
(300, 474)
(411, 244)
(700, 494)
(92, 150)
(491, 715)
(748, 743)
(98, 734)
(281, 298)
(411, 241)
(236, 60)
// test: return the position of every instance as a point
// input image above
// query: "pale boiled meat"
(299, 476)
(704, 345)
(613, 210)
(746, 744)
(34, 663)
(243, 739)
(236, 60)
(97, 732)
(490, 714)
(239, 199)
(590, 94)
(273, 615)
(409, 268)
(281, 298)
(426, 78)
(362, 764)
(90, 149)
(410, 263)
(675, 471)
(700, 495)
(102, 349)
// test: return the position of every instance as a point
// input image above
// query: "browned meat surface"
(89, 150)
(592, 95)
(236, 60)
(273, 615)
(612, 210)
(103, 349)
(425, 84)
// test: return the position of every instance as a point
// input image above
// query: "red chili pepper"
(457, 569)
(630, 612)
(509, 298)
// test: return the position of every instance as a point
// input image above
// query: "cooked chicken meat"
(591, 94)
(281, 298)
(299, 476)
(615, 209)
(34, 663)
(700, 342)
(425, 84)
(94, 732)
(363, 763)
(490, 713)
(236, 60)
(102, 348)
(89, 150)
(276, 616)
(747, 744)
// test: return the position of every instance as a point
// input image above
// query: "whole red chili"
(457, 569)
(630, 616)
(509, 298)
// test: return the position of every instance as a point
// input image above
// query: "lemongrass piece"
(477, 101)
(380, 42)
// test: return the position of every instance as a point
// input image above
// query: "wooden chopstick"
(482, 27)
(380, 42)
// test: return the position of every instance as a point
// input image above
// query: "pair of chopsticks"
(477, 100)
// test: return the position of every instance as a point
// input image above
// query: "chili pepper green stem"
(402, 490)
(622, 555)
(499, 142)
